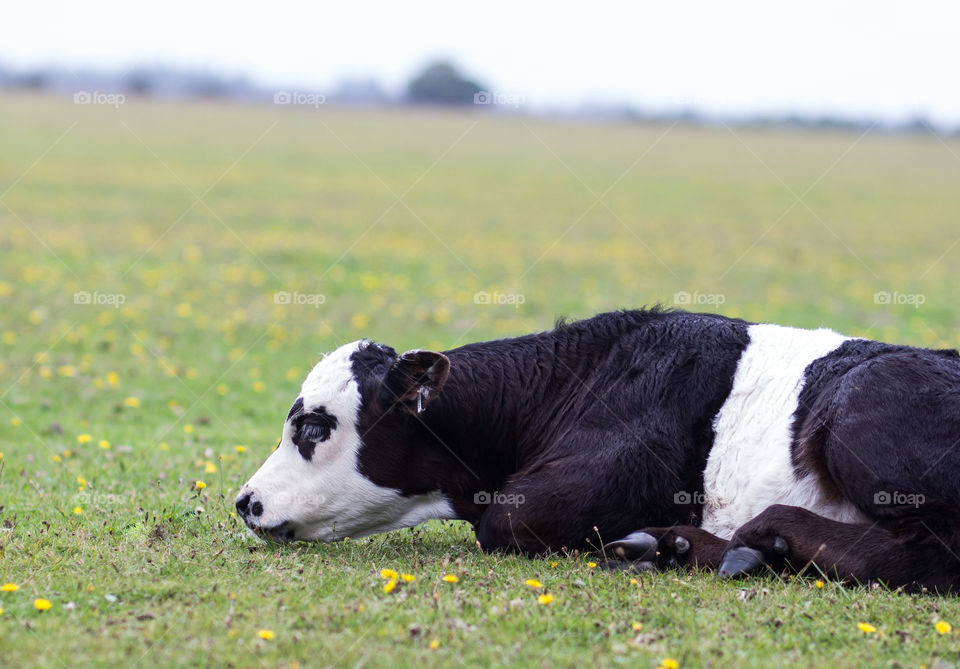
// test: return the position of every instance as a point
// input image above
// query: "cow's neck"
(502, 403)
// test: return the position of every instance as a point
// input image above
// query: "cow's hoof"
(633, 547)
(628, 565)
(740, 561)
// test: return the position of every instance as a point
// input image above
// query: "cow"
(690, 440)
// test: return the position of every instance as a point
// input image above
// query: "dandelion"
(222, 389)
(113, 379)
(1, 610)
(450, 578)
(240, 449)
(669, 663)
(389, 585)
(544, 599)
(15, 422)
(408, 577)
(188, 428)
(200, 485)
(42, 604)
(210, 468)
(533, 583)
(258, 386)
(132, 402)
(81, 481)
(553, 565)
(866, 628)
(434, 644)
(634, 581)
(266, 635)
(388, 574)
(9, 587)
(77, 510)
(591, 565)
(819, 585)
(84, 438)
(943, 627)
(104, 444)
(637, 627)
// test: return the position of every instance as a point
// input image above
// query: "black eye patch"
(312, 428)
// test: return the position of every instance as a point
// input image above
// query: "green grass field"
(195, 216)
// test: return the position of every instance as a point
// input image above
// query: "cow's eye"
(313, 428)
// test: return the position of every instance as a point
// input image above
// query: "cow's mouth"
(282, 533)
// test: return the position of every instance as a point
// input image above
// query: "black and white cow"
(698, 439)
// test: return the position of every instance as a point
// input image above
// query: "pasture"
(170, 272)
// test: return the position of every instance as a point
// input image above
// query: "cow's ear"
(414, 380)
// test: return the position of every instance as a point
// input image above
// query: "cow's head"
(347, 459)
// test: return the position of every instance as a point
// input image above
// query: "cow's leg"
(915, 552)
(665, 547)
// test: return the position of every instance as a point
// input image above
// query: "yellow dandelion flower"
(637, 627)
(132, 402)
(390, 585)
(819, 585)
(240, 449)
(943, 627)
(200, 485)
(533, 583)
(42, 604)
(183, 310)
(81, 481)
(434, 644)
(188, 428)
(669, 663)
(104, 444)
(591, 565)
(866, 628)
(1, 610)
(258, 386)
(553, 565)
(388, 574)
(544, 599)
(450, 578)
(266, 635)
(9, 587)
(113, 379)
(408, 577)
(16, 422)
(222, 389)
(210, 468)
(77, 510)
(634, 581)
(84, 438)
(56, 458)
(163, 446)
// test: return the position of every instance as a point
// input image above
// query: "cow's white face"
(311, 488)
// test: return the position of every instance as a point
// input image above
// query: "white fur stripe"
(749, 467)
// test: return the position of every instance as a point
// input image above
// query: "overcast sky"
(874, 59)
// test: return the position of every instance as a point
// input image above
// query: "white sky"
(883, 59)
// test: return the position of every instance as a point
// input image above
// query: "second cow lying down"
(691, 439)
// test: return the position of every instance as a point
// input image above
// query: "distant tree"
(442, 84)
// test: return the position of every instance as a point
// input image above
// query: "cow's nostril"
(243, 503)
(256, 509)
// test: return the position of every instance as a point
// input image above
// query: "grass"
(196, 215)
